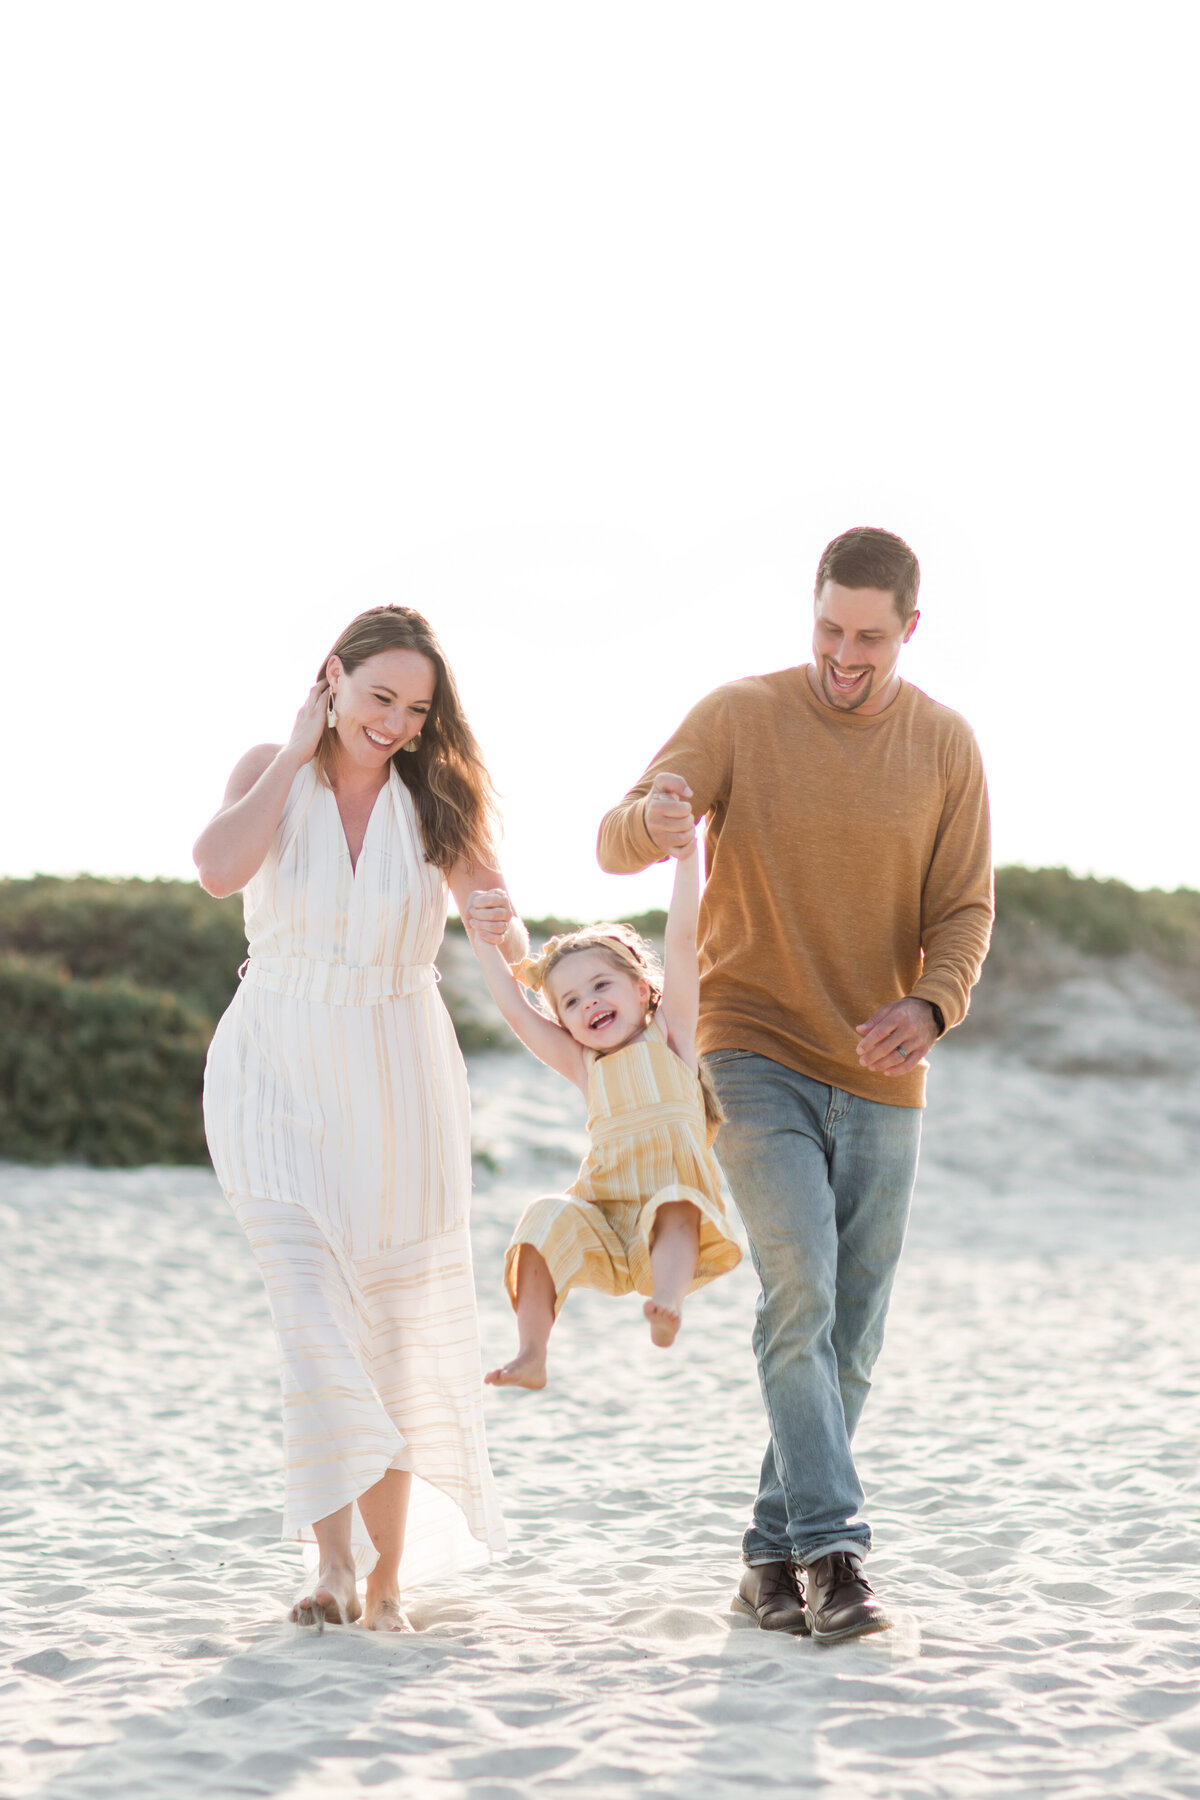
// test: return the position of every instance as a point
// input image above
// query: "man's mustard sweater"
(849, 864)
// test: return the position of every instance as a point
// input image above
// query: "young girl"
(644, 1213)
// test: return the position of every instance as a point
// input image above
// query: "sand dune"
(1030, 1449)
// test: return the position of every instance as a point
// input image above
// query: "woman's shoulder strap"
(301, 795)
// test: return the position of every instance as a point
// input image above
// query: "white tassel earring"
(413, 744)
(331, 714)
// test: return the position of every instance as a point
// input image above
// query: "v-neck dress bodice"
(335, 1090)
(321, 928)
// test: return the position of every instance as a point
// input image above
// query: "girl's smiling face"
(381, 704)
(603, 1007)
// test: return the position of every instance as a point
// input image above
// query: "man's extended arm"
(631, 835)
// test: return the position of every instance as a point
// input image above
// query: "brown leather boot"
(840, 1601)
(772, 1592)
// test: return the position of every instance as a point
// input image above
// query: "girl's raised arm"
(681, 967)
(548, 1041)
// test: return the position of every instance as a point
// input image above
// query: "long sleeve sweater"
(849, 865)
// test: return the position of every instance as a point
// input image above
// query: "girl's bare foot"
(332, 1598)
(527, 1369)
(383, 1612)
(664, 1322)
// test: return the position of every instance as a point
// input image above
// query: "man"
(847, 913)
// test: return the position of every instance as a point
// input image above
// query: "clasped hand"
(668, 816)
(488, 913)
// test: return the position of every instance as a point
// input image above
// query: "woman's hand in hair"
(310, 723)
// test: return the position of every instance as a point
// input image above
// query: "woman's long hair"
(451, 789)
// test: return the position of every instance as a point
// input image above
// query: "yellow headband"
(529, 972)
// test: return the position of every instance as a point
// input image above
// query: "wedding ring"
(901, 1051)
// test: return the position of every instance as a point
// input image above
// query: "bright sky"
(582, 328)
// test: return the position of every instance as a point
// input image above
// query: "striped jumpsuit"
(648, 1147)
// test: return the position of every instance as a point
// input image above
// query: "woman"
(336, 1108)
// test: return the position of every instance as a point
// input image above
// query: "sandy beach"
(1030, 1452)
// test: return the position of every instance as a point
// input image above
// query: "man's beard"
(846, 702)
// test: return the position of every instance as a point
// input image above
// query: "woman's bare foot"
(527, 1369)
(332, 1599)
(383, 1612)
(664, 1322)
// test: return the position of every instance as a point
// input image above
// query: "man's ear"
(912, 626)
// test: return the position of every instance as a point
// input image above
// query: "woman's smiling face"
(381, 704)
(602, 1007)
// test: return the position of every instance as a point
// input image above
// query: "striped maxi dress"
(337, 1114)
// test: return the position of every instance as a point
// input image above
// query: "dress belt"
(337, 984)
(666, 1112)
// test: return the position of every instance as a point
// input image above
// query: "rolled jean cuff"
(851, 1547)
(754, 1554)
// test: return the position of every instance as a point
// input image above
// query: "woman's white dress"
(337, 1114)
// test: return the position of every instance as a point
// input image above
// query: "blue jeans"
(823, 1181)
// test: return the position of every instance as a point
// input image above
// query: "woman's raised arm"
(231, 848)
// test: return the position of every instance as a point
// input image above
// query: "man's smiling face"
(857, 639)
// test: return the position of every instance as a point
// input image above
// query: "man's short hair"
(866, 557)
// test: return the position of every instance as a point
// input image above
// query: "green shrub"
(160, 934)
(109, 991)
(651, 924)
(97, 1071)
(1101, 918)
